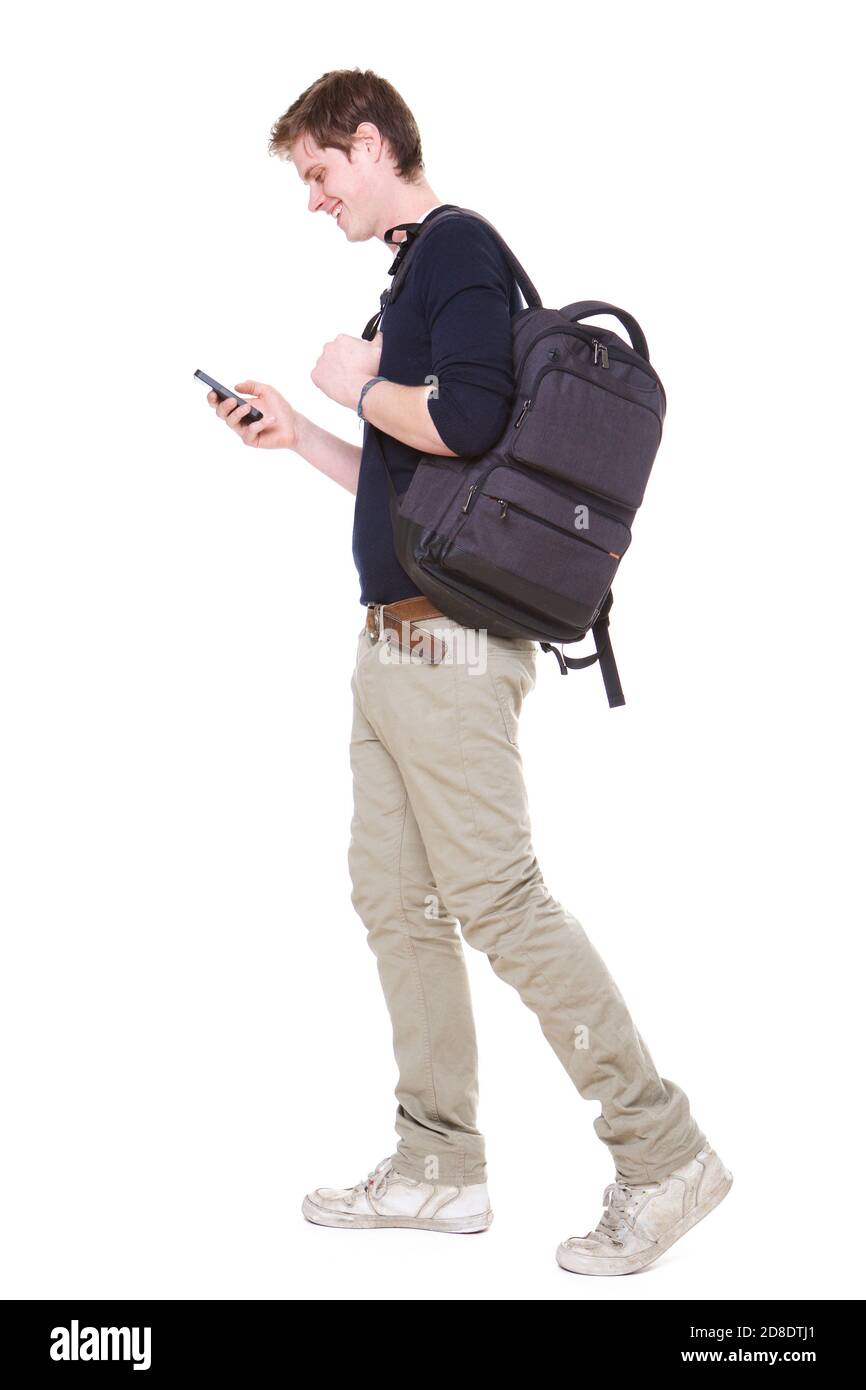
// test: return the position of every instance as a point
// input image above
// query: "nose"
(320, 201)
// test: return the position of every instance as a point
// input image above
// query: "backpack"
(525, 540)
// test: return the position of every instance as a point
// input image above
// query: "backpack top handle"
(587, 307)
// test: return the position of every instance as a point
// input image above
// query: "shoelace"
(375, 1182)
(619, 1199)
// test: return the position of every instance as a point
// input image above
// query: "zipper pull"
(503, 508)
(519, 421)
(465, 506)
(597, 348)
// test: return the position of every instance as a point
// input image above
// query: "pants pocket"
(512, 681)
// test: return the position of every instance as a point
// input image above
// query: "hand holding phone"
(224, 394)
(272, 427)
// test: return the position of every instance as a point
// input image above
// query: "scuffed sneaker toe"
(640, 1223)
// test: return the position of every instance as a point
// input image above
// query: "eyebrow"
(306, 175)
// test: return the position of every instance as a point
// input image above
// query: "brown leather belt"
(398, 621)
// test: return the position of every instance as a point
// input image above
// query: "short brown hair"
(332, 108)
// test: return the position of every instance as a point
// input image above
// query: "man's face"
(347, 190)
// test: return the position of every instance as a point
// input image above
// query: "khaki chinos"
(441, 831)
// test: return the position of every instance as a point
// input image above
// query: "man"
(440, 831)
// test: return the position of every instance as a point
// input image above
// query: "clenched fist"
(344, 365)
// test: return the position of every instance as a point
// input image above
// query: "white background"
(192, 1028)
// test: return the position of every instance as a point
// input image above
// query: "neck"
(410, 201)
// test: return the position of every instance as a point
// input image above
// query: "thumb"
(248, 387)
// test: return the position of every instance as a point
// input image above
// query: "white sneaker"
(386, 1198)
(640, 1223)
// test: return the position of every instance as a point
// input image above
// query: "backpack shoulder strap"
(527, 289)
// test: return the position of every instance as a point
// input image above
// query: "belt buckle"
(373, 612)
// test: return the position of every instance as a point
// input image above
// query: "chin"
(355, 233)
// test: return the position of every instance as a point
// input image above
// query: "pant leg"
(421, 966)
(452, 731)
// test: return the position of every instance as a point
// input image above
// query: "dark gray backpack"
(526, 539)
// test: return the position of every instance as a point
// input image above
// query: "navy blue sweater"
(452, 320)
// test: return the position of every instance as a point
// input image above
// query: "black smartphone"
(225, 394)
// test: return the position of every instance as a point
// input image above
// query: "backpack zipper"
(471, 497)
(572, 371)
(506, 506)
(626, 355)
(534, 476)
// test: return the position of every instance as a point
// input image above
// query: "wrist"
(301, 436)
(367, 384)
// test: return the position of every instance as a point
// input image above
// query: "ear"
(367, 140)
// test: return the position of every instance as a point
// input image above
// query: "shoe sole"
(578, 1262)
(454, 1225)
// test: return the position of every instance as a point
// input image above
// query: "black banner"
(240, 1341)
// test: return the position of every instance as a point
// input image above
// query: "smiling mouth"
(337, 212)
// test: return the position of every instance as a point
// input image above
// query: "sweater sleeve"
(464, 287)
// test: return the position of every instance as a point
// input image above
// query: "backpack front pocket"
(541, 550)
(593, 434)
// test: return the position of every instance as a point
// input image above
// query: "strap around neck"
(402, 261)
